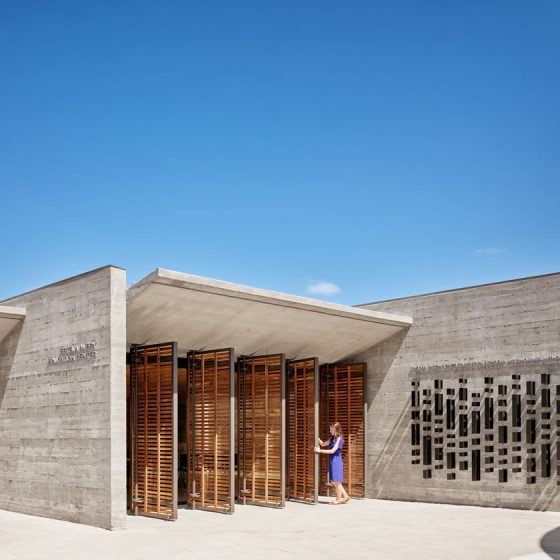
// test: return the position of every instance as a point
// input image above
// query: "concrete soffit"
(9, 318)
(229, 289)
(202, 312)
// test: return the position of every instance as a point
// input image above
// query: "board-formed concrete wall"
(63, 402)
(489, 340)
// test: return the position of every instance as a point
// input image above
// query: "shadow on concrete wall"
(550, 543)
(8, 349)
(383, 469)
(380, 360)
(544, 500)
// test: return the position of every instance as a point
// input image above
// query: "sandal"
(345, 500)
(335, 503)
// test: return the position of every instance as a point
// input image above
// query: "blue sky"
(386, 148)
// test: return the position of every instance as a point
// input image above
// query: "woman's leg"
(338, 491)
(343, 492)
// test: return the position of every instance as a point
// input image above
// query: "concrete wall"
(62, 413)
(477, 338)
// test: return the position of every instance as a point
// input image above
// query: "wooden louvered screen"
(343, 400)
(302, 417)
(210, 430)
(153, 436)
(260, 440)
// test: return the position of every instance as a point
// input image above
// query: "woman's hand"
(321, 442)
(317, 449)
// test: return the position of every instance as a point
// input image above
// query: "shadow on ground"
(550, 543)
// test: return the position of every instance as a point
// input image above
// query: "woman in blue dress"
(336, 469)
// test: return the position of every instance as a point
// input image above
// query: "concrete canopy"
(201, 313)
(9, 318)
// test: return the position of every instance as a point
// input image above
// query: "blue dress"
(336, 470)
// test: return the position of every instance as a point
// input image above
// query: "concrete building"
(182, 391)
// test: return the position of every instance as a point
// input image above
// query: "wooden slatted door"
(343, 400)
(261, 419)
(210, 425)
(153, 430)
(303, 424)
(324, 482)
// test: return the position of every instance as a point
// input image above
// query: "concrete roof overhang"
(201, 313)
(9, 318)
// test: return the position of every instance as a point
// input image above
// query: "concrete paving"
(369, 529)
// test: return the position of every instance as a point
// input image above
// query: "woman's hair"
(337, 429)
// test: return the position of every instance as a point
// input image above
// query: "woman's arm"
(329, 451)
(323, 443)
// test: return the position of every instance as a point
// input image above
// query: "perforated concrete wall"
(485, 354)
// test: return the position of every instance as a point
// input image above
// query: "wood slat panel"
(302, 430)
(260, 383)
(153, 402)
(342, 399)
(209, 430)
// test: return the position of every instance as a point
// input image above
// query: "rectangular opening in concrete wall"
(502, 434)
(438, 404)
(475, 458)
(516, 411)
(463, 425)
(450, 414)
(546, 462)
(415, 439)
(475, 422)
(531, 430)
(488, 413)
(427, 449)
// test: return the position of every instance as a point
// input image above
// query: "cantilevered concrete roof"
(9, 318)
(201, 313)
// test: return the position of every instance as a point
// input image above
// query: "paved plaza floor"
(372, 529)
